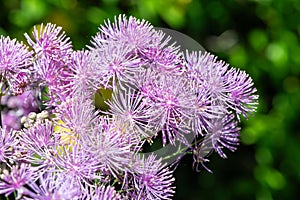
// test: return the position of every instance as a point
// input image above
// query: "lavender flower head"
(7, 142)
(15, 60)
(148, 90)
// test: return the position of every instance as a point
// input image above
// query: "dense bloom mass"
(96, 110)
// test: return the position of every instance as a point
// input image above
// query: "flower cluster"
(149, 90)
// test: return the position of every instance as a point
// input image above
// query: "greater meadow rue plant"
(153, 91)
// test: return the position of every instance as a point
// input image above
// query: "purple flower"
(52, 54)
(51, 74)
(77, 114)
(205, 112)
(153, 180)
(230, 89)
(82, 69)
(114, 62)
(163, 59)
(172, 103)
(38, 144)
(104, 193)
(8, 141)
(134, 33)
(205, 71)
(15, 60)
(132, 112)
(241, 93)
(15, 179)
(223, 133)
(77, 164)
(20, 83)
(50, 42)
(47, 71)
(53, 185)
(111, 146)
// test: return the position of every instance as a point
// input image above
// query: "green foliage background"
(259, 36)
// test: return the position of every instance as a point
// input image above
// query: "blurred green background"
(259, 36)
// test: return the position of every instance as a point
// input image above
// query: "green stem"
(181, 150)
